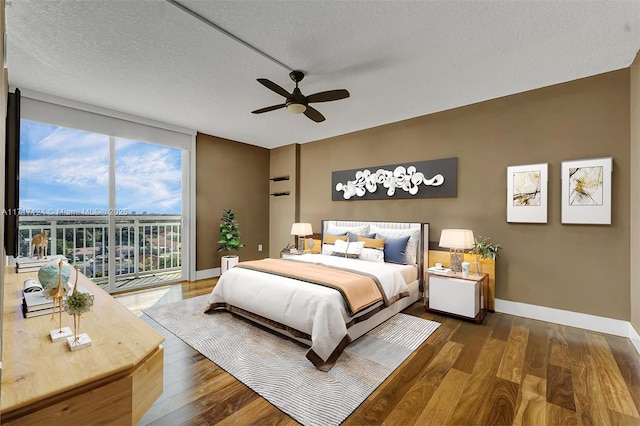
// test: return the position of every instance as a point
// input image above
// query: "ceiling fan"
(296, 102)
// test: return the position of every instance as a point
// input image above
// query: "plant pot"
(228, 262)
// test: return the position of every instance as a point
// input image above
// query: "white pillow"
(412, 245)
(345, 249)
(372, 255)
(358, 230)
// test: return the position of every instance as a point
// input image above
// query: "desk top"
(34, 368)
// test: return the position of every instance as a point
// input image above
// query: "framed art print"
(586, 191)
(527, 191)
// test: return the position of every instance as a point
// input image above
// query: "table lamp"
(301, 230)
(456, 240)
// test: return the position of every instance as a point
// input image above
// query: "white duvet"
(312, 309)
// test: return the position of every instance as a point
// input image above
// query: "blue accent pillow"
(395, 249)
(352, 238)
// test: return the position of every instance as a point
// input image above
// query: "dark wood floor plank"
(556, 415)
(623, 352)
(473, 344)
(616, 392)
(535, 359)
(472, 396)
(203, 377)
(512, 362)
(533, 402)
(447, 328)
(560, 387)
(558, 346)
(591, 406)
(519, 364)
(501, 405)
(577, 346)
(215, 404)
(408, 410)
(440, 406)
(384, 399)
(622, 419)
(442, 362)
(256, 412)
(503, 325)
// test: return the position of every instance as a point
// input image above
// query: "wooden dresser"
(113, 381)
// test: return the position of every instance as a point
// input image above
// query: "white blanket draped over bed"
(314, 310)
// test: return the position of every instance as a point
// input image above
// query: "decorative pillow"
(331, 238)
(352, 238)
(317, 246)
(358, 230)
(372, 242)
(372, 255)
(345, 249)
(412, 245)
(395, 250)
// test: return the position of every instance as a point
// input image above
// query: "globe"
(49, 273)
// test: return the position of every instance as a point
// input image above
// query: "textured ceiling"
(398, 59)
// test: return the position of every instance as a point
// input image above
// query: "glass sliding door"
(112, 206)
(148, 213)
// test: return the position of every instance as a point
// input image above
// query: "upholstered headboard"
(417, 249)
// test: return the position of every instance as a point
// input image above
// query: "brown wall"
(580, 268)
(634, 234)
(230, 175)
(283, 210)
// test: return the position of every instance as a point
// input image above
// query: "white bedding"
(308, 308)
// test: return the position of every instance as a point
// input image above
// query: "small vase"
(478, 265)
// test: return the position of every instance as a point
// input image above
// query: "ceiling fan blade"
(329, 95)
(271, 85)
(267, 109)
(314, 114)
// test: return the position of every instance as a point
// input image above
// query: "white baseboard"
(207, 273)
(572, 319)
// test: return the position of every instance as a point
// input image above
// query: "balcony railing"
(144, 245)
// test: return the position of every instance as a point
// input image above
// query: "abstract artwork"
(527, 193)
(586, 191)
(422, 179)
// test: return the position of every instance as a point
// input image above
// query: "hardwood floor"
(508, 370)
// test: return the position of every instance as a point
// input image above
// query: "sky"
(66, 171)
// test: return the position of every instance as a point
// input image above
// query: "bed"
(365, 273)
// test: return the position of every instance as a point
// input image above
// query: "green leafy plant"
(484, 248)
(229, 233)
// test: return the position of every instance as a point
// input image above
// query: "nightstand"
(458, 296)
(286, 254)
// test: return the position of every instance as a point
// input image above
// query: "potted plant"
(229, 239)
(484, 248)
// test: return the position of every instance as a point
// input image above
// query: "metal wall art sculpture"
(434, 178)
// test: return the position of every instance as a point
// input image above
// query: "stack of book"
(32, 264)
(35, 304)
(440, 271)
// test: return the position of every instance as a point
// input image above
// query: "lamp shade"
(457, 238)
(301, 229)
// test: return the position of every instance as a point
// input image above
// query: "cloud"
(69, 169)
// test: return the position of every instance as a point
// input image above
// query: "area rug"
(277, 369)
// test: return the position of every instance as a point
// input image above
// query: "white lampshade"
(301, 229)
(457, 238)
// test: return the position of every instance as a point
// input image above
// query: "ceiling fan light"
(295, 108)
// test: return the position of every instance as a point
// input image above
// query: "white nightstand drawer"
(455, 296)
